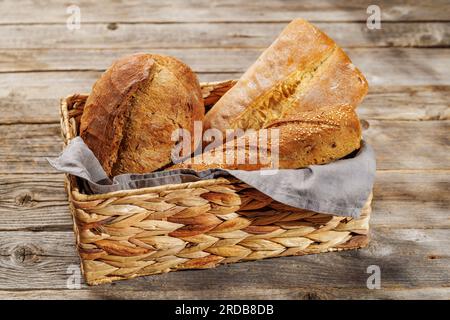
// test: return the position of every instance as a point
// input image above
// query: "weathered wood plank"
(33, 202)
(398, 144)
(408, 259)
(401, 200)
(381, 66)
(411, 199)
(54, 11)
(410, 144)
(311, 293)
(406, 103)
(26, 147)
(214, 35)
(24, 247)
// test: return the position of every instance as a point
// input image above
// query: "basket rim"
(77, 195)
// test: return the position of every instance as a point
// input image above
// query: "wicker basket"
(125, 234)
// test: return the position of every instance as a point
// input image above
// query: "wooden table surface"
(406, 63)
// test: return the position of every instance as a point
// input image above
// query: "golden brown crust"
(302, 70)
(337, 81)
(104, 113)
(313, 137)
(134, 108)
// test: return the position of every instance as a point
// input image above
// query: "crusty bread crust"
(133, 109)
(313, 137)
(302, 70)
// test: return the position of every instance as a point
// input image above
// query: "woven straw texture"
(125, 234)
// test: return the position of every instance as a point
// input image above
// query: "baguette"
(313, 137)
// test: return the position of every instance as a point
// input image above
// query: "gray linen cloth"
(339, 188)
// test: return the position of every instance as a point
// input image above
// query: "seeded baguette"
(302, 70)
(314, 137)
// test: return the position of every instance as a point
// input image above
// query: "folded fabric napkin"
(339, 188)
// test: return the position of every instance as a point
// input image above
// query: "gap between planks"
(230, 36)
(233, 10)
(381, 66)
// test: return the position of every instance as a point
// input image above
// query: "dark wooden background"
(407, 64)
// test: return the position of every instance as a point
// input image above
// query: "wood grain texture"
(54, 11)
(34, 203)
(214, 35)
(407, 199)
(406, 103)
(381, 66)
(410, 144)
(408, 258)
(297, 293)
(401, 200)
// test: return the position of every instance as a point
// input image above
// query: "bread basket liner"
(340, 188)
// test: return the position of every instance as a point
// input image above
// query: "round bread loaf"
(135, 107)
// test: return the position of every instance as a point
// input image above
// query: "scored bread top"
(302, 70)
(312, 137)
(133, 109)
